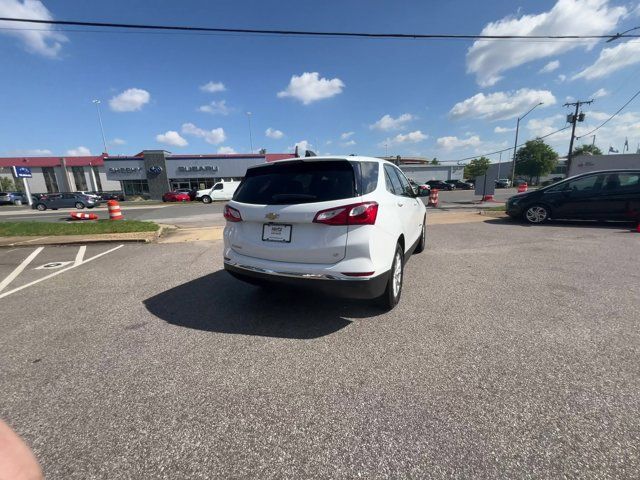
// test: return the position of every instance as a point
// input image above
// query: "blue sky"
(448, 99)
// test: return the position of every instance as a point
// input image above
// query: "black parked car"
(603, 195)
(105, 196)
(440, 185)
(460, 184)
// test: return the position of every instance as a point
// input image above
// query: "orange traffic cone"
(83, 216)
(523, 187)
(114, 210)
(433, 198)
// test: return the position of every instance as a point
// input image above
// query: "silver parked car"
(55, 201)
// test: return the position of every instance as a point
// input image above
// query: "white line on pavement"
(6, 294)
(80, 255)
(18, 270)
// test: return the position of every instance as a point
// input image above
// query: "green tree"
(435, 162)
(476, 167)
(535, 159)
(6, 184)
(587, 150)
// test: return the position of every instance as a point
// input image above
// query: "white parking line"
(18, 270)
(80, 256)
(51, 275)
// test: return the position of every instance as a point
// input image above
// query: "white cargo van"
(220, 191)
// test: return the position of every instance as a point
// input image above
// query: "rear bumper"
(362, 288)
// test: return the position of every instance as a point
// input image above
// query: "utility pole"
(573, 119)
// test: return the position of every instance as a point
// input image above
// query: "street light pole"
(104, 140)
(515, 145)
(250, 134)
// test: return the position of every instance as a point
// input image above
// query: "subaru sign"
(22, 172)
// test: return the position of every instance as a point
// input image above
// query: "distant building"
(61, 174)
(420, 169)
(590, 163)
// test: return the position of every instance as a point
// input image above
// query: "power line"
(506, 149)
(250, 31)
(611, 117)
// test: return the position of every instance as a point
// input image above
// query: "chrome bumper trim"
(309, 276)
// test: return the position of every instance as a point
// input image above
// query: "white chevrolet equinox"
(339, 225)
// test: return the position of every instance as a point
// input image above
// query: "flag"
(626, 144)
(612, 150)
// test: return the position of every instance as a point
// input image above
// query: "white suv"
(340, 225)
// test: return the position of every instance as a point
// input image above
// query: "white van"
(220, 191)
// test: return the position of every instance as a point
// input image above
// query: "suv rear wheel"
(392, 293)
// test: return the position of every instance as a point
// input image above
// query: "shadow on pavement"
(219, 303)
(564, 223)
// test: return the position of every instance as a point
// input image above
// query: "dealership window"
(135, 187)
(50, 180)
(96, 172)
(79, 178)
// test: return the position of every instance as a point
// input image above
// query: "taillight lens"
(355, 214)
(231, 214)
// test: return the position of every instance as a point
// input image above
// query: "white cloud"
(621, 127)
(539, 127)
(411, 137)
(387, 122)
(501, 105)
(504, 129)
(449, 143)
(309, 87)
(346, 135)
(37, 38)
(302, 146)
(487, 59)
(562, 78)
(226, 151)
(273, 133)
(173, 138)
(349, 143)
(214, 137)
(118, 141)
(78, 152)
(611, 60)
(213, 87)
(550, 67)
(214, 108)
(130, 100)
(601, 92)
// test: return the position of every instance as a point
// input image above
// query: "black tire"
(41, 206)
(391, 296)
(422, 243)
(536, 214)
(206, 199)
(79, 205)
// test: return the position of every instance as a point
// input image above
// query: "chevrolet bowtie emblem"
(271, 216)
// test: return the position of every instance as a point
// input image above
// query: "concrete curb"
(133, 237)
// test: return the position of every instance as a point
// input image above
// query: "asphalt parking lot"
(514, 353)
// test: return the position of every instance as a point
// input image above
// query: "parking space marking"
(51, 275)
(80, 255)
(18, 270)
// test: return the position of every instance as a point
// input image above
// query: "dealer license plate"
(276, 232)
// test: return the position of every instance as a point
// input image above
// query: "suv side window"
(368, 177)
(407, 189)
(392, 180)
(218, 186)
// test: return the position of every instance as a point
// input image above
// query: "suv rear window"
(297, 182)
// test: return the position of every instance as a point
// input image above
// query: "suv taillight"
(231, 214)
(354, 214)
